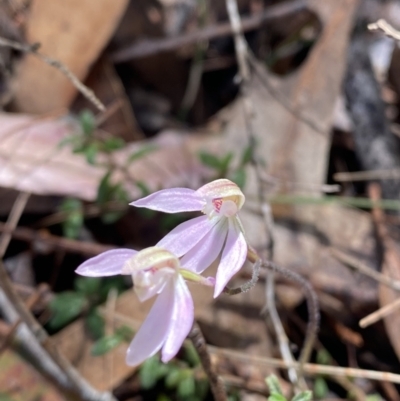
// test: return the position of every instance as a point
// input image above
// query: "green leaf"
(323, 357)
(66, 306)
(113, 143)
(239, 177)
(87, 122)
(173, 378)
(74, 219)
(87, 286)
(151, 371)
(320, 387)
(141, 152)
(106, 344)
(273, 384)
(95, 324)
(210, 160)
(125, 332)
(186, 387)
(90, 151)
(225, 161)
(191, 354)
(303, 396)
(246, 156)
(276, 397)
(104, 189)
(373, 397)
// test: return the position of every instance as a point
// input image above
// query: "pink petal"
(181, 320)
(207, 250)
(155, 329)
(172, 200)
(185, 236)
(233, 257)
(109, 263)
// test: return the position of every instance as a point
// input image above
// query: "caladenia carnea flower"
(155, 271)
(199, 241)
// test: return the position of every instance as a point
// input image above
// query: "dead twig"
(198, 341)
(311, 369)
(150, 47)
(42, 237)
(33, 49)
(13, 218)
(386, 28)
(364, 269)
(379, 314)
(391, 174)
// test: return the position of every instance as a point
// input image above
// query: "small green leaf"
(87, 286)
(224, 164)
(320, 387)
(74, 219)
(125, 332)
(273, 384)
(276, 397)
(151, 371)
(90, 151)
(239, 177)
(66, 306)
(106, 344)
(323, 357)
(303, 396)
(87, 122)
(210, 160)
(186, 387)
(173, 378)
(95, 324)
(113, 143)
(141, 152)
(373, 397)
(191, 354)
(246, 156)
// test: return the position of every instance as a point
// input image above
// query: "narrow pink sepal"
(233, 257)
(155, 329)
(181, 320)
(207, 250)
(109, 263)
(172, 200)
(185, 236)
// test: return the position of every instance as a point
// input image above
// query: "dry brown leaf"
(74, 33)
(31, 160)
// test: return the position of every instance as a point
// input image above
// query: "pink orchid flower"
(202, 239)
(154, 271)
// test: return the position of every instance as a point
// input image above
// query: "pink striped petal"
(155, 329)
(184, 237)
(172, 200)
(181, 320)
(207, 250)
(109, 263)
(233, 257)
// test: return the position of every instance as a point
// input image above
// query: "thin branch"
(364, 269)
(386, 28)
(12, 221)
(391, 174)
(150, 47)
(198, 341)
(42, 237)
(312, 304)
(310, 369)
(379, 314)
(33, 49)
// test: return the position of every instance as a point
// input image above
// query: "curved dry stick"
(312, 305)
(249, 284)
(198, 341)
